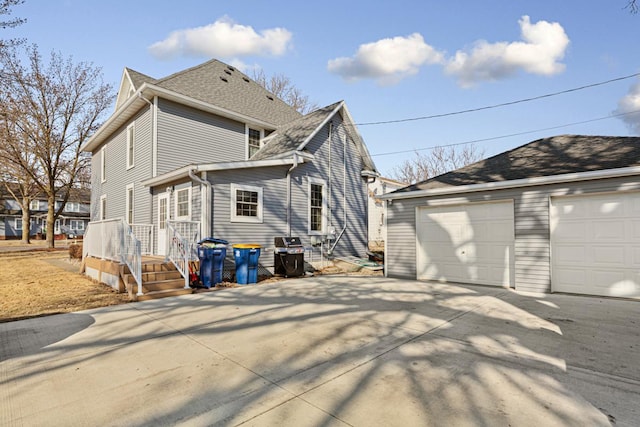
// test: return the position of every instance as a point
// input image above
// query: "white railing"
(182, 237)
(105, 239)
(132, 256)
(113, 239)
(144, 233)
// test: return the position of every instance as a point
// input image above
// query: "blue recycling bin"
(211, 253)
(246, 257)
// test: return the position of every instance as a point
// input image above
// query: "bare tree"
(282, 87)
(5, 9)
(55, 106)
(632, 5)
(14, 157)
(440, 160)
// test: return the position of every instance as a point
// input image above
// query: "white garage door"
(470, 243)
(595, 244)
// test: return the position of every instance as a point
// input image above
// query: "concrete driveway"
(329, 351)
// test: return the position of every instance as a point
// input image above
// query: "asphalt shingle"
(544, 157)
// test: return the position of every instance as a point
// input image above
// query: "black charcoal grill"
(288, 257)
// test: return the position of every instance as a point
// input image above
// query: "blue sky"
(387, 60)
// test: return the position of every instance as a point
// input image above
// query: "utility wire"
(493, 138)
(504, 104)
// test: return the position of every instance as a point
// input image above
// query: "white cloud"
(222, 39)
(628, 104)
(387, 60)
(544, 45)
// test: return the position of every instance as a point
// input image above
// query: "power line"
(493, 138)
(504, 104)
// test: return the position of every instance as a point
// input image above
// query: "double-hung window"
(130, 202)
(253, 141)
(130, 145)
(34, 205)
(317, 206)
(183, 204)
(103, 164)
(72, 207)
(246, 203)
(18, 224)
(103, 207)
(76, 224)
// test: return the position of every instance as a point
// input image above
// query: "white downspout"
(205, 214)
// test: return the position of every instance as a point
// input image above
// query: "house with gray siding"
(210, 150)
(70, 223)
(559, 214)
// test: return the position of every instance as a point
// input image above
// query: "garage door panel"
(595, 244)
(568, 209)
(572, 232)
(471, 243)
(570, 254)
(610, 255)
(608, 230)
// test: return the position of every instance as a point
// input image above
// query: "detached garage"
(471, 243)
(559, 214)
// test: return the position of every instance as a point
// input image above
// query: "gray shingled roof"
(138, 78)
(545, 157)
(291, 135)
(222, 85)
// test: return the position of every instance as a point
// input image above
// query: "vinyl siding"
(532, 232)
(117, 174)
(354, 239)
(274, 222)
(189, 136)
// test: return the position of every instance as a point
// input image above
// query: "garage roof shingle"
(544, 157)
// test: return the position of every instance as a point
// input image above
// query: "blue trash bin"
(211, 253)
(246, 258)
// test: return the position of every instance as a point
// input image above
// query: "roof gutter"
(526, 182)
(185, 171)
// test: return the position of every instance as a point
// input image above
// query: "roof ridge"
(187, 70)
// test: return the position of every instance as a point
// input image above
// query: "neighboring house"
(211, 148)
(559, 214)
(71, 222)
(377, 220)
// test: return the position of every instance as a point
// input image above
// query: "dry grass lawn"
(40, 283)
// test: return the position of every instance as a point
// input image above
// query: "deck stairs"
(159, 280)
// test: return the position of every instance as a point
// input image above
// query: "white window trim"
(131, 138)
(103, 205)
(72, 207)
(34, 205)
(246, 138)
(235, 218)
(15, 223)
(128, 206)
(76, 222)
(167, 198)
(56, 227)
(317, 181)
(175, 200)
(103, 164)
